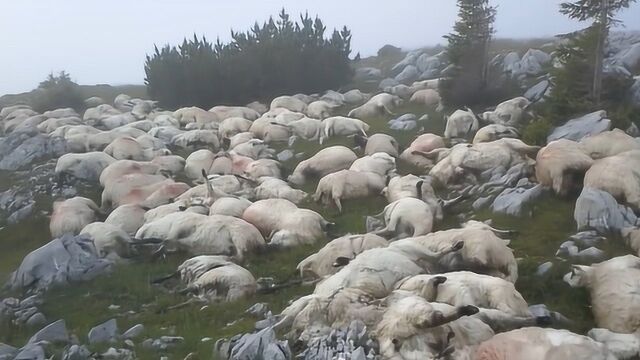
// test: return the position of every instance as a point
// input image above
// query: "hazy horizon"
(107, 44)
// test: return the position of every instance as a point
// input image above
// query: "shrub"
(536, 132)
(57, 92)
(279, 57)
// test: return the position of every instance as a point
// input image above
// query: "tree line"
(278, 57)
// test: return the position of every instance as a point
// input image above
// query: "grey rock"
(37, 319)
(277, 351)
(130, 343)
(22, 213)
(403, 125)
(285, 155)
(31, 352)
(405, 117)
(409, 60)
(579, 128)
(367, 74)
(76, 352)
(118, 354)
(544, 268)
(481, 202)
(256, 346)
(56, 332)
(59, 262)
(31, 148)
(133, 332)
(408, 75)
(511, 201)
(105, 332)
(537, 91)
(388, 82)
(359, 354)
(598, 210)
(31, 301)
(587, 239)
(7, 352)
(592, 254)
(567, 249)
(258, 310)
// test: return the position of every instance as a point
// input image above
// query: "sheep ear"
(580, 270)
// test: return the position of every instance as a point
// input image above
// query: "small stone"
(544, 268)
(36, 319)
(129, 343)
(206, 339)
(258, 310)
(567, 249)
(147, 344)
(133, 332)
(114, 307)
(105, 332)
(31, 301)
(285, 155)
(118, 354)
(76, 352)
(54, 332)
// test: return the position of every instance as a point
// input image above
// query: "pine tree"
(602, 13)
(468, 51)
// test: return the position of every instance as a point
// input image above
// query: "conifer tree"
(602, 13)
(468, 52)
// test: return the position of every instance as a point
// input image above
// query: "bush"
(57, 92)
(536, 132)
(279, 57)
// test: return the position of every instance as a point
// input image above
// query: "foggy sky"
(106, 41)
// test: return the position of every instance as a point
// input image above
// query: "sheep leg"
(439, 318)
(336, 201)
(501, 322)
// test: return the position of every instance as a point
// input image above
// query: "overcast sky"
(106, 41)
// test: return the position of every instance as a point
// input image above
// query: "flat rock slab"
(54, 332)
(105, 332)
(579, 128)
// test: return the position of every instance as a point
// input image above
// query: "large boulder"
(629, 57)
(56, 332)
(533, 62)
(579, 128)
(408, 75)
(596, 209)
(366, 74)
(409, 59)
(538, 91)
(61, 261)
(21, 148)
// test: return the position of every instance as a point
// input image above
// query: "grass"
(85, 305)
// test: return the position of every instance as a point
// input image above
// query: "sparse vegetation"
(279, 57)
(57, 92)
